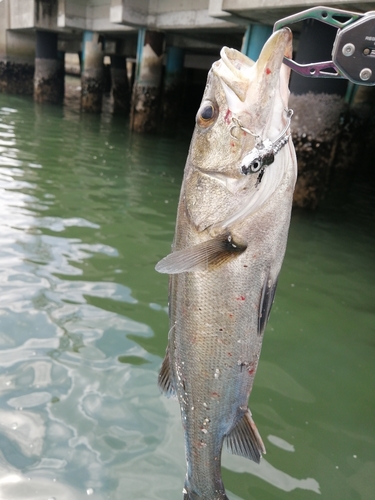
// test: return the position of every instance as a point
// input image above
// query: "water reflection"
(19, 487)
(277, 379)
(69, 405)
(281, 443)
(25, 429)
(271, 474)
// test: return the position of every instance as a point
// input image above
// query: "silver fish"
(230, 238)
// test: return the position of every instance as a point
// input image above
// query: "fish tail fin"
(244, 439)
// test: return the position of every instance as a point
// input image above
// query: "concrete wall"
(21, 14)
(46, 14)
(21, 46)
(4, 25)
(16, 45)
(269, 11)
(166, 14)
(72, 14)
(26, 14)
(94, 15)
(117, 15)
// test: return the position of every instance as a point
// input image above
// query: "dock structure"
(153, 49)
(35, 35)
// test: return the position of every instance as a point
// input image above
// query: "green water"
(86, 212)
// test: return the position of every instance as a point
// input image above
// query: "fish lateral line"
(203, 256)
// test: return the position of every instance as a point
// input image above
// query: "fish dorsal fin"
(165, 379)
(200, 257)
(244, 439)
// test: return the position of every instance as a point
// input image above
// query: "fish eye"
(207, 114)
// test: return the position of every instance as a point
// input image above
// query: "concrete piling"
(255, 37)
(92, 76)
(49, 69)
(315, 44)
(319, 107)
(146, 89)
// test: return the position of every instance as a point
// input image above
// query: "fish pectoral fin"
(200, 257)
(265, 303)
(165, 379)
(244, 439)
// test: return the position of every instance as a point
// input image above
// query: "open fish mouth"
(245, 81)
(257, 96)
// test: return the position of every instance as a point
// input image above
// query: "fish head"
(244, 102)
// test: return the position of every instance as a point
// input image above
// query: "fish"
(230, 238)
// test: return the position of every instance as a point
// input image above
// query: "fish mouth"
(245, 81)
(257, 95)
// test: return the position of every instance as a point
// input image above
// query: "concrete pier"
(255, 37)
(319, 106)
(146, 89)
(315, 44)
(49, 69)
(92, 77)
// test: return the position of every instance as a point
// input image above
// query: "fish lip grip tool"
(353, 52)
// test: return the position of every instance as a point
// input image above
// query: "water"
(86, 212)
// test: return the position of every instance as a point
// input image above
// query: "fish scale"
(208, 400)
(229, 244)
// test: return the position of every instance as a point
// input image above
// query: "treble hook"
(237, 123)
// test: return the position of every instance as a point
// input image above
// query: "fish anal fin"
(165, 379)
(265, 303)
(244, 439)
(213, 252)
